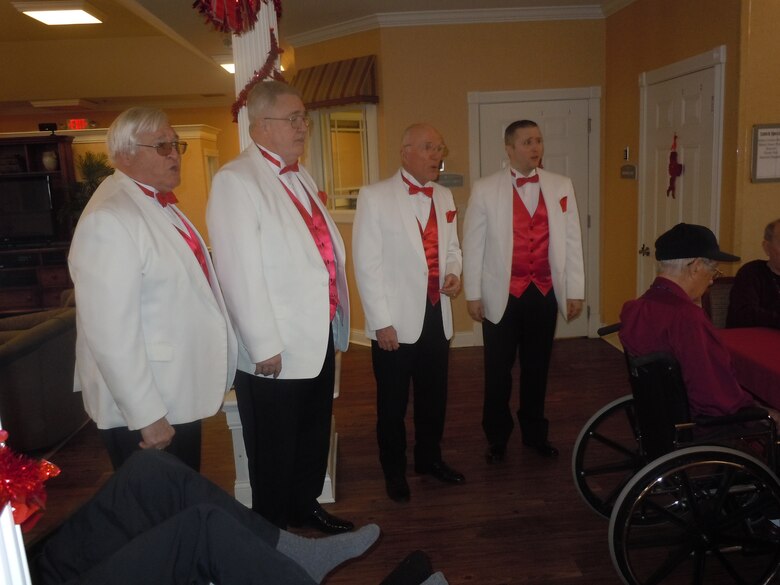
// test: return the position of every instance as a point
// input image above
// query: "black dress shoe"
(397, 488)
(495, 454)
(545, 449)
(442, 472)
(327, 523)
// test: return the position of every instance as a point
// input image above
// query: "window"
(342, 153)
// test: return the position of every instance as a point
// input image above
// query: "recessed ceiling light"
(59, 12)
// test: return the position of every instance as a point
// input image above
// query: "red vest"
(531, 242)
(430, 238)
(321, 234)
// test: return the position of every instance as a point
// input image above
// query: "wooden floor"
(517, 522)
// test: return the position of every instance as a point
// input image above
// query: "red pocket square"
(451, 215)
(324, 197)
(563, 204)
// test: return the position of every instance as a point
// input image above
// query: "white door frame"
(716, 59)
(593, 96)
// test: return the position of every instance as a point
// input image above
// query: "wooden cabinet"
(32, 279)
(36, 174)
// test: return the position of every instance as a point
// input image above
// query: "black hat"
(686, 240)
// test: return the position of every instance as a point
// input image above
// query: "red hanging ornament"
(232, 16)
(21, 484)
(267, 70)
(675, 169)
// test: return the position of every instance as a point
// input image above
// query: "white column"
(250, 50)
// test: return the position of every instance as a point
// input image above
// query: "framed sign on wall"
(766, 153)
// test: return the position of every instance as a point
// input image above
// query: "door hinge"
(589, 120)
(589, 221)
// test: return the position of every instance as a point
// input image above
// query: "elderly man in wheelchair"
(685, 466)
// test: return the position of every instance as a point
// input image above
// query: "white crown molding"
(443, 17)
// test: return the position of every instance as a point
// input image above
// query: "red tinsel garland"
(233, 16)
(21, 484)
(267, 70)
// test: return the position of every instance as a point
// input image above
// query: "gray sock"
(435, 579)
(319, 556)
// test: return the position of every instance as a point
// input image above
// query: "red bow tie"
(293, 167)
(523, 180)
(163, 198)
(414, 189)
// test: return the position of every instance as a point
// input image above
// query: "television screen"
(25, 209)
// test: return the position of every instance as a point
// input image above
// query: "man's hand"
(476, 310)
(157, 435)
(573, 308)
(451, 286)
(270, 367)
(387, 338)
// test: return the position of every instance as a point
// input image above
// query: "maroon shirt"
(665, 319)
(755, 297)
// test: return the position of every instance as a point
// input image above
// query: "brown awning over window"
(334, 84)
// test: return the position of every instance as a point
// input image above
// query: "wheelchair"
(688, 501)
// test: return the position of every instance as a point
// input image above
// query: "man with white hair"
(668, 318)
(281, 263)
(155, 350)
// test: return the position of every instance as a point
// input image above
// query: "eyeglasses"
(165, 148)
(716, 273)
(430, 148)
(297, 121)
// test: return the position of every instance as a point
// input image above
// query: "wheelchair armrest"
(747, 414)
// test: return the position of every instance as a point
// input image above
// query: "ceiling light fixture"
(60, 12)
(226, 62)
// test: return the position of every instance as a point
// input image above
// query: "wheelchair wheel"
(606, 455)
(698, 515)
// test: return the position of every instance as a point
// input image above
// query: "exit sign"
(77, 124)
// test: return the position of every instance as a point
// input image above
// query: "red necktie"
(523, 180)
(163, 198)
(414, 189)
(293, 167)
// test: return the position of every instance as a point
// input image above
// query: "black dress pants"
(286, 427)
(157, 521)
(526, 329)
(424, 364)
(121, 442)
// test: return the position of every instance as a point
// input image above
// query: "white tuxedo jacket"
(153, 337)
(270, 270)
(389, 258)
(488, 241)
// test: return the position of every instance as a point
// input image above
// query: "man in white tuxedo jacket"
(407, 265)
(155, 350)
(281, 263)
(523, 264)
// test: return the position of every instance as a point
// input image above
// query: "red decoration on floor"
(675, 169)
(267, 70)
(21, 484)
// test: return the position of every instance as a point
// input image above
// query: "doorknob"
(644, 250)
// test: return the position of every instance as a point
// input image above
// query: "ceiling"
(162, 52)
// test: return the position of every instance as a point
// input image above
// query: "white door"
(688, 105)
(564, 125)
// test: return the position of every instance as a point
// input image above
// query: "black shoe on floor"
(495, 454)
(442, 472)
(415, 568)
(325, 522)
(397, 488)
(545, 448)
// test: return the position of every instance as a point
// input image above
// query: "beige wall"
(755, 204)
(646, 35)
